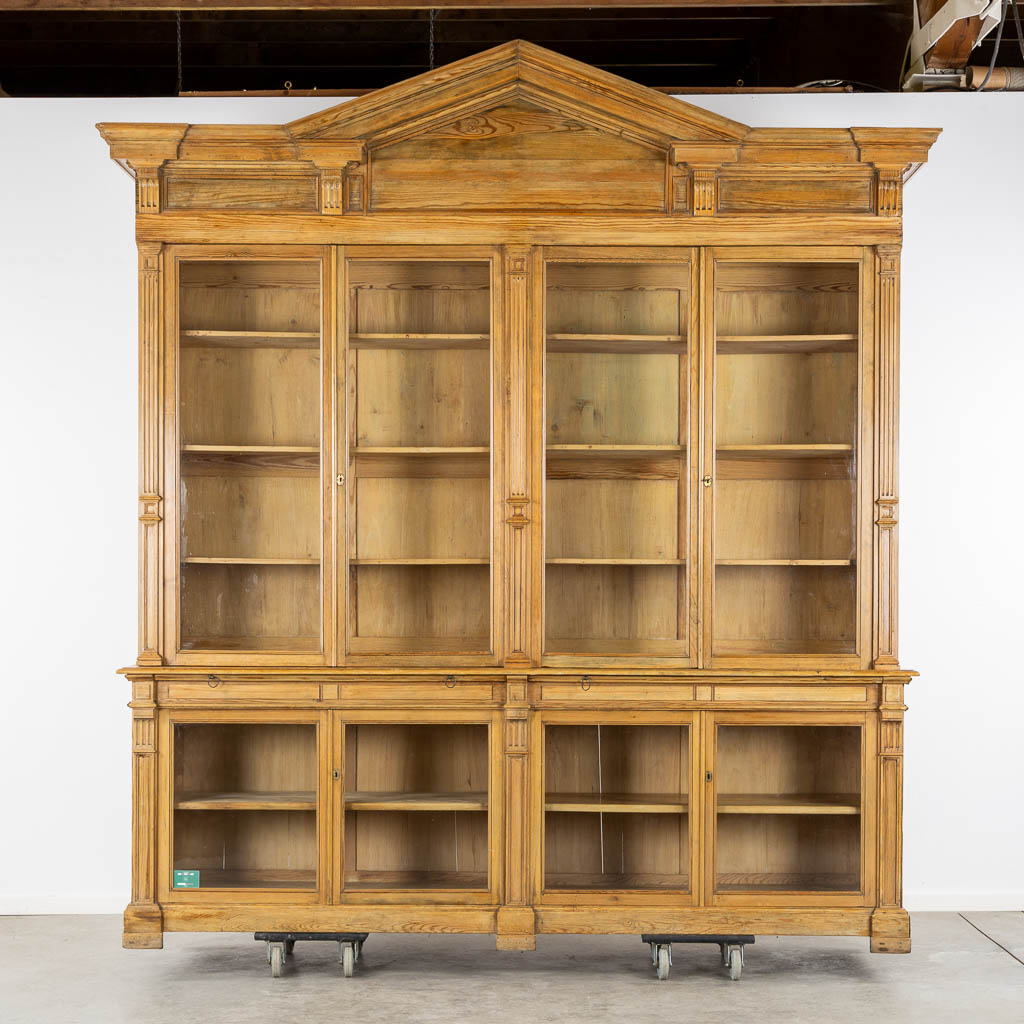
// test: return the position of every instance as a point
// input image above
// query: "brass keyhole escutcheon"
(341, 479)
(706, 481)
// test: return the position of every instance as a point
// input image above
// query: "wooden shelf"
(251, 449)
(420, 341)
(776, 646)
(767, 344)
(615, 561)
(785, 451)
(371, 644)
(562, 881)
(672, 344)
(419, 561)
(433, 880)
(785, 882)
(616, 449)
(617, 803)
(795, 803)
(363, 450)
(204, 560)
(250, 339)
(416, 801)
(296, 801)
(220, 878)
(263, 644)
(785, 561)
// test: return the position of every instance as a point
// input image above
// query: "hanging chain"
(177, 25)
(433, 18)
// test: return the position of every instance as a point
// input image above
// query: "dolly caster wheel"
(735, 963)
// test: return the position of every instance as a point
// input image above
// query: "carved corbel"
(142, 150)
(694, 179)
(337, 164)
(889, 191)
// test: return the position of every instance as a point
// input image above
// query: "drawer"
(615, 691)
(788, 693)
(247, 691)
(420, 692)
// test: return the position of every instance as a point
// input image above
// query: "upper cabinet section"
(518, 130)
(617, 395)
(786, 515)
(248, 367)
(417, 530)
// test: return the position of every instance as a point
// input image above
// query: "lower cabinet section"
(410, 818)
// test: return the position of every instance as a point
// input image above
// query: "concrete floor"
(966, 969)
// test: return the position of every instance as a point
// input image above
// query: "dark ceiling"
(60, 53)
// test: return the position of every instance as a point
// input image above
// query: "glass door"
(417, 807)
(785, 399)
(616, 806)
(787, 806)
(244, 805)
(419, 510)
(617, 402)
(249, 386)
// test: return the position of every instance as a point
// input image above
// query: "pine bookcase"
(518, 516)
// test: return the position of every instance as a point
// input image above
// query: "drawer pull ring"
(585, 683)
(212, 681)
(449, 682)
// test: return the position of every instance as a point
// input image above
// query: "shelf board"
(671, 344)
(262, 644)
(358, 881)
(251, 449)
(250, 339)
(419, 561)
(364, 449)
(617, 803)
(784, 561)
(789, 803)
(420, 341)
(784, 451)
(768, 344)
(294, 801)
(267, 878)
(365, 801)
(730, 647)
(785, 882)
(204, 560)
(615, 449)
(562, 881)
(615, 561)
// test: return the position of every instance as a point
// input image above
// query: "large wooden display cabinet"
(518, 516)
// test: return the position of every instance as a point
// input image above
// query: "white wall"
(68, 489)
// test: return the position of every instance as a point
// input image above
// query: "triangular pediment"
(521, 77)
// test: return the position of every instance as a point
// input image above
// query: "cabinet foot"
(890, 931)
(143, 927)
(516, 929)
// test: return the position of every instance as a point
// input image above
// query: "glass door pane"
(615, 499)
(419, 435)
(244, 806)
(785, 458)
(788, 803)
(616, 807)
(416, 807)
(249, 387)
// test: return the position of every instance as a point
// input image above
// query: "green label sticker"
(186, 879)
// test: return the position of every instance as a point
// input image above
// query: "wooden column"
(887, 393)
(520, 506)
(143, 919)
(890, 923)
(516, 925)
(151, 379)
